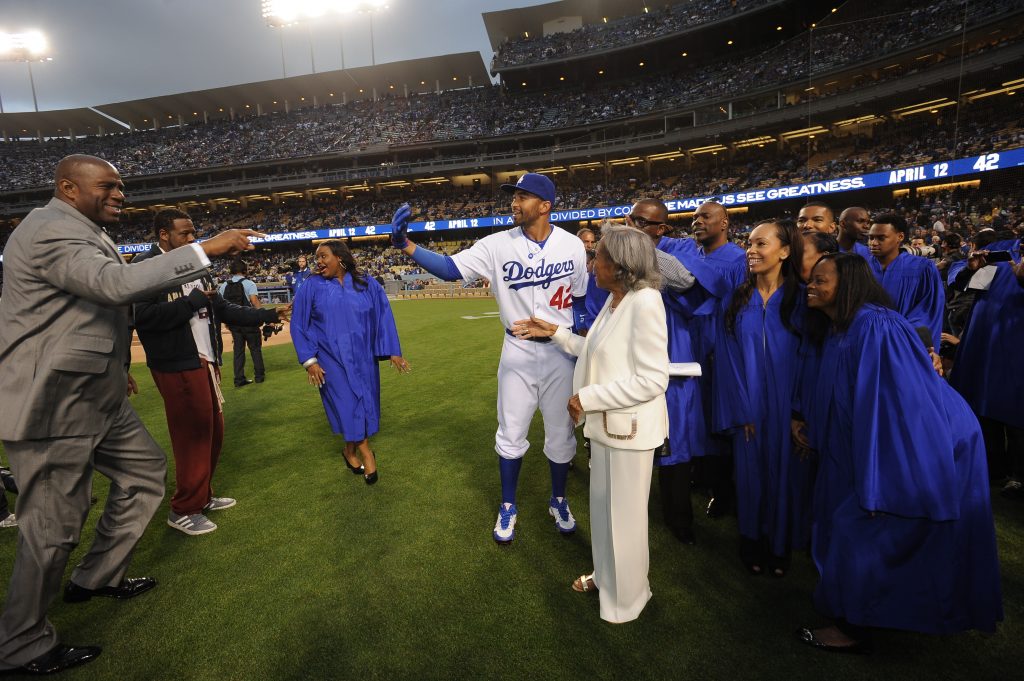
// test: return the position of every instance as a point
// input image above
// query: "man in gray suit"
(64, 358)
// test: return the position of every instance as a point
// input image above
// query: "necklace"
(535, 247)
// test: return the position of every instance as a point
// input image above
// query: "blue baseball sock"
(559, 476)
(509, 469)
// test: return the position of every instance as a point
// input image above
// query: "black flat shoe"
(57, 660)
(807, 637)
(358, 470)
(130, 587)
(371, 478)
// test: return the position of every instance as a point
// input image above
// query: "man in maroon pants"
(176, 329)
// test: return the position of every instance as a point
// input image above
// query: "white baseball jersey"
(528, 278)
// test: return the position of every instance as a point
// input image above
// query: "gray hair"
(632, 252)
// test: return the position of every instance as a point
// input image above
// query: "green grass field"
(314, 575)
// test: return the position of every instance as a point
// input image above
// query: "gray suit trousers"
(55, 484)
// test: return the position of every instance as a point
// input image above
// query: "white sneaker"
(505, 528)
(9, 521)
(559, 510)
(194, 524)
(219, 503)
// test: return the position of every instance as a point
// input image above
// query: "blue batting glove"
(400, 226)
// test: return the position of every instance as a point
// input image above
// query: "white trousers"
(620, 484)
(530, 376)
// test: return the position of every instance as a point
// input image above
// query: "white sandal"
(584, 583)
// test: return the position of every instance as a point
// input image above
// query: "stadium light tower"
(281, 13)
(28, 47)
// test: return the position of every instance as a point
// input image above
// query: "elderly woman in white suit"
(619, 385)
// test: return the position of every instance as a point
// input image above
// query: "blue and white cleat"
(505, 528)
(559, 510)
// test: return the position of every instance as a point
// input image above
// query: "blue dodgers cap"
(535, 183)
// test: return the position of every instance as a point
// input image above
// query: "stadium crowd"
(493, 110)
(629, 30)
(892, 144)
(963, 212)
(831, 49)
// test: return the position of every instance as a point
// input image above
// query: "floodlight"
(284, 12)
(35, 43)
(27, 46)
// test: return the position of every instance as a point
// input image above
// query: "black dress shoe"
(57, 660)
(130, 587)
(358, 470)
(243, 383)
(371, 478)
(807, 637)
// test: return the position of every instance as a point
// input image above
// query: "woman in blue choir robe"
(903, 536)
(756, 373)
(342, 326)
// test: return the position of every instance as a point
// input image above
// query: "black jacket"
(163, 325)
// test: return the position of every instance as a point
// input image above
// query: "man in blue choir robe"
(912, 282)
(986, 372)
(903, 535)
(719, 267)
(710, 258)
(686, 418)
(854, 224)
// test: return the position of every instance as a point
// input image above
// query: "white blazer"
(622, 374)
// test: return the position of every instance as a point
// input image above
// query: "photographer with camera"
(984, 372)
(241, 291)
(176, 329)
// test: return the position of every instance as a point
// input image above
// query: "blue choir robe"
(915, 286)
(718, 273)
(348, 331)
(903, 535)
(988, 371)
(757, 367)
(860, 249)
(687, 433)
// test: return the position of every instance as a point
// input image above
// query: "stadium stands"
(495, 111)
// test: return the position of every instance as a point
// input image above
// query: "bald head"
(92, 186)
(854, 223)
(711, 225)
(74, 165)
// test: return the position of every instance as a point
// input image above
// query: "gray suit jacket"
(65, 316)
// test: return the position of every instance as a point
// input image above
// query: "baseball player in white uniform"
(536, 269)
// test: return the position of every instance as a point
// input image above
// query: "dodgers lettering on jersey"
(527, 278)
(519, 276)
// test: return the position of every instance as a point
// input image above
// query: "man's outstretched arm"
(439, 265)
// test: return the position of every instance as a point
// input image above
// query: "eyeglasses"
(643, 223)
